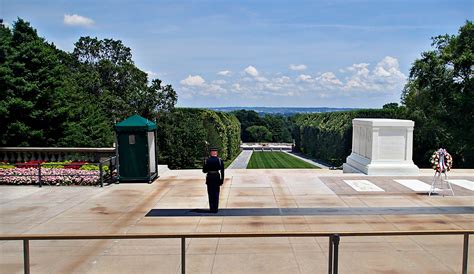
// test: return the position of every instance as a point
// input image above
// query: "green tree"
(50, 97)
(259, 134)
(390, 106)
(439, 96)
(34, 88)
(247, 118)
(121, 87)
(280, 128)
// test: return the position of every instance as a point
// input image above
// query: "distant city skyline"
(354, 54)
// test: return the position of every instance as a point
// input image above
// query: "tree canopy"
(279, 127)
(50, 97)
(439, 96)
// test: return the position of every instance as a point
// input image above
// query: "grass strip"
(268, 160)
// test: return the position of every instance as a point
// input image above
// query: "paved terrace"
(122, 209)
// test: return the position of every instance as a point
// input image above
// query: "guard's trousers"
(213, 193)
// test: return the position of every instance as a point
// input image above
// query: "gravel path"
(242, 160)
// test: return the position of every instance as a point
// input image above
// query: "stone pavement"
(242, 160)
(122, 209)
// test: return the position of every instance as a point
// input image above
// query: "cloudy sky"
(259, 53)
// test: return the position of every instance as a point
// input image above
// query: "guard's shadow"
(179, 212)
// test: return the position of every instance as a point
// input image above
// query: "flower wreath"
(441, 160)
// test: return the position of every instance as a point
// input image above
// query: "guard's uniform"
(214, 180)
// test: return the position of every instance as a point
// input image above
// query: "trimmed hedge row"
(183, 132)
(328, 136)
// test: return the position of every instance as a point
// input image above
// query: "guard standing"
(212, 166)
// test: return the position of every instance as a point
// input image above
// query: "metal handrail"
(334, 239)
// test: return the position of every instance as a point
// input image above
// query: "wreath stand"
(439, 177)
(442, 162)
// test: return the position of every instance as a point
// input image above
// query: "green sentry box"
(136, 150)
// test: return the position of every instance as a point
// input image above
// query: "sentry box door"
(133, 155)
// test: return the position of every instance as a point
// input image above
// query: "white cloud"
(77, 20)
(388, 68)
(252, 71)
(297, 67)
(196, 85)
(386, 76)
(329, 80)
(224, 73)
(193, 81)
(304, 78)
(219, 82)
(236, 87)
(357, 80)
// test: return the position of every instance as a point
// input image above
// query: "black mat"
(186, 212)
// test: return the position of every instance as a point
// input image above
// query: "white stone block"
(381, 147)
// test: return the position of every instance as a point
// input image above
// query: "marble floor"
(122, 208)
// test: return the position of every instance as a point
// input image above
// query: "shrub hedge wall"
(328, 136)
(183, 132)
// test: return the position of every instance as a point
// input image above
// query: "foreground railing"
(334, 240)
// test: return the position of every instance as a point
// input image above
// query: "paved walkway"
(122, 208)
(242, 160)
(308, 160)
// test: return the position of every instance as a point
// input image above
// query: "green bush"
(328, 136)
(55, 164)
(183, 132)
(94, 167)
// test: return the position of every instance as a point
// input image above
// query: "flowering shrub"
(44, 164)
(75, 165)
(50, 176)
(29, 164)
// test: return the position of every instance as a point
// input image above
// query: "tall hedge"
(328, 136)
(183, 133)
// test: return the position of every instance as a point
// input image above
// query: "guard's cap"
(213, 149)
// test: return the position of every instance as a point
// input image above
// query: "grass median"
(261, 159)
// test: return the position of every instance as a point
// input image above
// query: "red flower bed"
(29, 164)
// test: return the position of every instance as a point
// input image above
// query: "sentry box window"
(131, 139)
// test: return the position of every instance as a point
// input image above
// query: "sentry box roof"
(135, 123)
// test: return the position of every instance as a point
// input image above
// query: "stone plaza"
(328, 201)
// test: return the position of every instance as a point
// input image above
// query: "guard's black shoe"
(214, 210)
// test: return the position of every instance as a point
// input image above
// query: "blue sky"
(259, 53)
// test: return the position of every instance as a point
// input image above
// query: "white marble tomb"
(381, 147)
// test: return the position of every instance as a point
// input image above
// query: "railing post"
(465, 251)
(101, 174)
(40, 181)
(336, 253)
(26, 256)
(183, 255)
(330, 256)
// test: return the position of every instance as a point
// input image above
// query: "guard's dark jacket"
(212, 166)
(214, 180)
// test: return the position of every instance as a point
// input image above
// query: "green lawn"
(261, 159)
